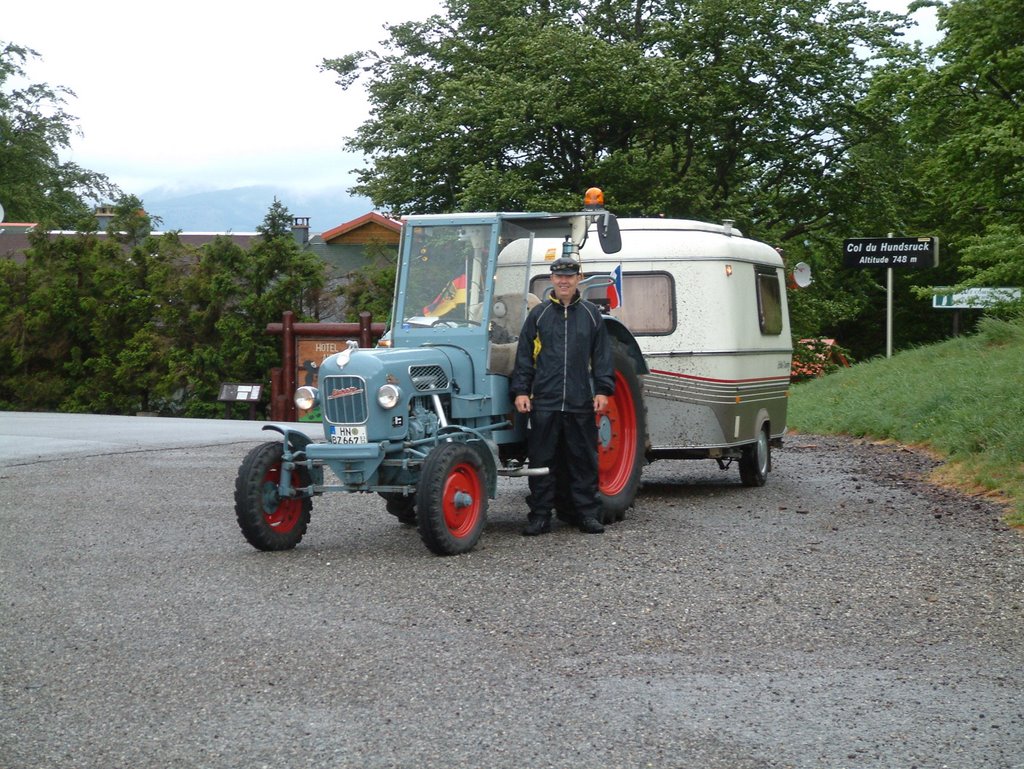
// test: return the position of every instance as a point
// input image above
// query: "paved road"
(27, 438)
(847, 615)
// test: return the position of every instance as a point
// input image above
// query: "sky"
(218, 94)
(210, 94)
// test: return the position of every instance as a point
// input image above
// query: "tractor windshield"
(447, 270)
(454, 280)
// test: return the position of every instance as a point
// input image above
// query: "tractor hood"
(373, 389)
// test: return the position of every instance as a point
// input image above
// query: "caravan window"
(648, 302)
(769, 301)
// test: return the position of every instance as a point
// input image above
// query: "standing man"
(563, 374)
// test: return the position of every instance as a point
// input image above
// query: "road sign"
(240, 392)
(906, 253)
(891, 252)
(973, 298)
(235, 391)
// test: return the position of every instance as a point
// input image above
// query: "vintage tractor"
(428, 423)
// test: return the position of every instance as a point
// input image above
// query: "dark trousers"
(566, 443)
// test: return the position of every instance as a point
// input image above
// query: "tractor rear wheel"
(621, 439)
(402, 506)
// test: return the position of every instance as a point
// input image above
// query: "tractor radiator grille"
(425, 378)
(344, 400)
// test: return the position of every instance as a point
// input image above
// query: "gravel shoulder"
(849, 614)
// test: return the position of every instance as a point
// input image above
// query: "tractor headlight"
(388, 396)
(306, 398)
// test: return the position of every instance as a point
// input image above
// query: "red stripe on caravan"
(721, 381)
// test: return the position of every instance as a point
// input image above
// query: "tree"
(131, 224)
(129, 328)
(137, 321)
(974, 127)
(370, 289)
(85, 318)
(225, 303)
(969, 110)
(34, 127)
(279, 274)
(47, 318)
(742, 109)
(955, 146)
(993, 258)
(202, 322)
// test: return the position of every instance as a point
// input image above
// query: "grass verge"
(961, 399)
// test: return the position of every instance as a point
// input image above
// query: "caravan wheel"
(621, 436)
(756, 460)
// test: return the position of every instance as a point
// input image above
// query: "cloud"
(222, 94)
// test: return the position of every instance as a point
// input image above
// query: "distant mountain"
(243, 209)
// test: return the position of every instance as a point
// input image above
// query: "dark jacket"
(564, 356)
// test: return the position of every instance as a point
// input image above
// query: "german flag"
(450, 297)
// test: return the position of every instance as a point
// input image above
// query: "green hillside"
(961, 399)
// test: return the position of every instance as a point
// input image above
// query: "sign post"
(240, 392)
(888, 310)
(891, 252)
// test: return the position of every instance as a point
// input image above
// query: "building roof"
(371, 226)
(14, 238)
(344, 247)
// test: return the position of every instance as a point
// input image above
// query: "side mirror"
(608, 233)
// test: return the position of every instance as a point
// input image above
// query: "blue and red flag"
(615, 289)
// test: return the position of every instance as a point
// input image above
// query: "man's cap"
(563, 265)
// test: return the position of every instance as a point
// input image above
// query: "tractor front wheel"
(451, 499)
(268, 521)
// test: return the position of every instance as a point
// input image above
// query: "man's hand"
(600, 403)
(523, 404)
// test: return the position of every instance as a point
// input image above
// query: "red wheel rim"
(616, 446)
(461, 499)
(286, 512)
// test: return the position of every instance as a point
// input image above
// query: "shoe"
(567, 515)
(537, 526)
(591, 526)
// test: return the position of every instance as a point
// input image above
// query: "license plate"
(348, 433)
